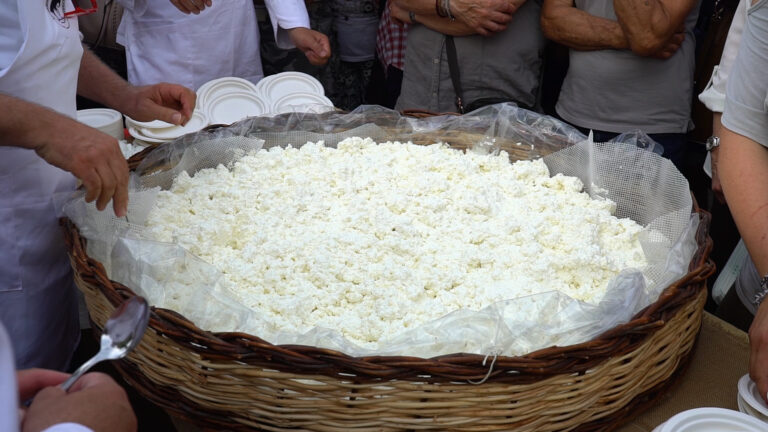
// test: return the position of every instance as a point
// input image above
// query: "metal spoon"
(121, 334)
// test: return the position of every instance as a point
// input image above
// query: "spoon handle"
(83, 369)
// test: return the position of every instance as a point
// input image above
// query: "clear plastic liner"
(646, 188)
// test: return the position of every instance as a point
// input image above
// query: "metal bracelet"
(760, 296)
(412, 17)
(447, 10)
(439, 10)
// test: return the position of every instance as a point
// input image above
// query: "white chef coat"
(40, 53)
(162, 44)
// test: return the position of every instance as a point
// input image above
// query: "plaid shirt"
(390, 40)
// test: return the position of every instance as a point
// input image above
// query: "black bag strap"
(453, 69)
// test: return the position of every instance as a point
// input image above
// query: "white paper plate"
(198, 121)
(231, 107)
(213, 88)
(274, 87)
(301, 102)
(751, 397)
(712, 420)
(140, 136)
(154, 124)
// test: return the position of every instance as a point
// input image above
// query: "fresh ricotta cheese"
(374, 239)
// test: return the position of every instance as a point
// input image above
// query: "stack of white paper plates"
(230, 99)
(711, 420)
(157, 131)
(234, 106)
(749, 400)
(195, 123)
(276, 86)
(106, 120)
(302, 102)
(214, 88)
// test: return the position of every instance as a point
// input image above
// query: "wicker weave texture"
(239, 382)
(236, 381)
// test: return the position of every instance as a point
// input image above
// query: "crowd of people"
(626, 65)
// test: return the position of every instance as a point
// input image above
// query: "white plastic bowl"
(750, 398)
(713, 420)
(106, 120)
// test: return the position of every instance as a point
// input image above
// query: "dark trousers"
(673, 143)
(732, 310)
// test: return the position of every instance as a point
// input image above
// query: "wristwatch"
(712, 143)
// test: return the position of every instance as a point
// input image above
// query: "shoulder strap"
(453, 69)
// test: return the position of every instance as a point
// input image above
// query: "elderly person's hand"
(191, 6)
(485, 16)
(95, 401)
(171, 103)
(312, 43)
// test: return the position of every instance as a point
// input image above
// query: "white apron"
(38, 303)
(162, 44)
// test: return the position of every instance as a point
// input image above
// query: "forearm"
(717, 125)
(743, 170)
(17, 128)
(574, 28)
(101, 84)
(444, 25)
(649, 24)
(422, 8)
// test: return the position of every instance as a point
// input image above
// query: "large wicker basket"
(236, 381)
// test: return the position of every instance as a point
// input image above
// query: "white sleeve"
(713, 96)
(9, 390)
(286, 14)
(68, 427)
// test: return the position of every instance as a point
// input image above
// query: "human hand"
(717, 188)
(171, 103)
(95, 401)
(31, 381)
(312, 43)
(485, 16)
(671, 46)
(93, 157)
(758, 350)
(191, 6)
(398, 13)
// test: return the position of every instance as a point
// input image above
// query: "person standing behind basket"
(191, 43)
(743, 167)
(498, 53)
(631, 67)
(42, 66)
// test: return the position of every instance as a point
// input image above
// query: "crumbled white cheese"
(375, 239)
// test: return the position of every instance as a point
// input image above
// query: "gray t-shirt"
(746, 113)
(618, 91)
(505, 65)
(746, 100)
